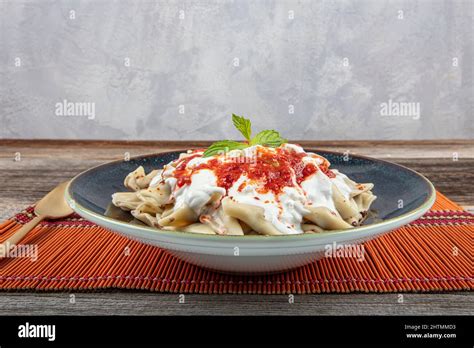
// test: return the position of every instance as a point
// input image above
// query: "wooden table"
(31, 168)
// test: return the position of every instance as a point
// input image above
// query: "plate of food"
(256, 206)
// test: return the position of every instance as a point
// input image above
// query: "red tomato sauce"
(274, 170)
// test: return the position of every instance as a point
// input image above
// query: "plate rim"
(403, 219)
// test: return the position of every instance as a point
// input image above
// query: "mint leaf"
(223, 146)
(243, 125)
(269, 138)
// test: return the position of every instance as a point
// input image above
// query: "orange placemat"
(433, 253)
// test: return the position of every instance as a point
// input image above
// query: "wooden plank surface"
(41, 164)
(139, 303)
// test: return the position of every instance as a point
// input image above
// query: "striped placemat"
(433, 253)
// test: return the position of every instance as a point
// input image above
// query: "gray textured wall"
(333, 62)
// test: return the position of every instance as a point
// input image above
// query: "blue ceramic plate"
(403, 195)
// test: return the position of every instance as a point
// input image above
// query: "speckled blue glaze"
(398, 189)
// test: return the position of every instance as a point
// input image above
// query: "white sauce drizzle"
(285, 212)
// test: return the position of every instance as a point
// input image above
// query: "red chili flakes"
(182, 173)
(273, 168)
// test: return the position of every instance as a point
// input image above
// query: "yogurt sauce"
(284, 209)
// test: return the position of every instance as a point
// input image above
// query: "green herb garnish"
(269, 137)
(224, 145)
(243, 125)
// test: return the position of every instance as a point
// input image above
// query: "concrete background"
(164, 70)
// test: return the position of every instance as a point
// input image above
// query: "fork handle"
(19, 235)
